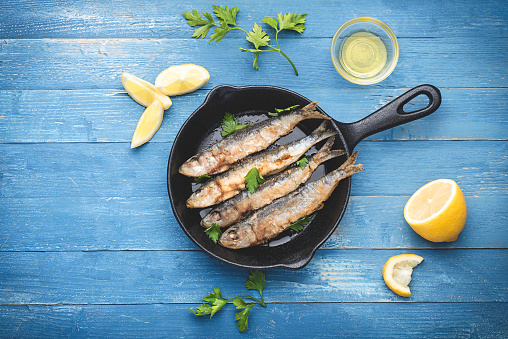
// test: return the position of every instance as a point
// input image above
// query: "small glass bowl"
(376, 27)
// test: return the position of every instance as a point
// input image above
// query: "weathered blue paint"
(89, 246)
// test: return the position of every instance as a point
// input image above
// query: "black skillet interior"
(253, 101)
(291, 251)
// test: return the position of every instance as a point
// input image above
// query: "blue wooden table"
(89, 246)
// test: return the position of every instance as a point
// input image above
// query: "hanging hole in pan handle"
(391, 115)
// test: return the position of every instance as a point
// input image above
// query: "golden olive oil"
(363, 54)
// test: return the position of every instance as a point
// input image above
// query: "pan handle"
(391, 115)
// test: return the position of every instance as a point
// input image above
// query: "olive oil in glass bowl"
(364, 50)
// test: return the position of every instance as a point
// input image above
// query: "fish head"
(211, 218)
(238, 236)
(193, 167)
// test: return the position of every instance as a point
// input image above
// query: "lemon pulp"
(397, 272)
(363, 54)
(148, 124)
(437, 211)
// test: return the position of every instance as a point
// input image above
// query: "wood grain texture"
(114, 170)
(89, 246)
(358, 320)
(111, 115)
(99, 63)
(160, 19)
(129, 223)
(127, 277)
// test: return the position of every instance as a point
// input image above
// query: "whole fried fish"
(230, 183)
(240, 206)
(271, 220)
(250, 139)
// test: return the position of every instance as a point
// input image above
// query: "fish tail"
(326, 153)
(349, 166)
(310, 112)
(323, 132)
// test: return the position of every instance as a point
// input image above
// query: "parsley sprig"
(214, 232)
(282, 110)
(299, 224)
(230, 125)
(201, 178)
(253, 179)
(257, 36)
(215, 301)
(304, 161)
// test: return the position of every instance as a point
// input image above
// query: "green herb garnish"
(282, 110)
(298, 226)
(253, 179)
(303, 162)
(230, 125)
(258, 37)
(201, 178)
(215, 301)
(214, 232)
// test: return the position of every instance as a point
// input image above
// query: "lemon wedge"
(181, 79)
(148, 124)
(397, 272)
(143, 92)
(437, 211)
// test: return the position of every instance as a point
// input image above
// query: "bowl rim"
(374, 79)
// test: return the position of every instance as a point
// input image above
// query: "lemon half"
(143, 92)
(181, 79)
(148, 124)
(397, 272)
(437, 211)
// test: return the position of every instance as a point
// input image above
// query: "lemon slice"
(437, 211)
(397, 272)
(181, 79)
(148, 124)
(143, 92)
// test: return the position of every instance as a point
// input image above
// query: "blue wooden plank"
(156, 19)
(302, 320)
(126, 277)
(114, 170)
(99, 63)
(127, 223)
(111, 115)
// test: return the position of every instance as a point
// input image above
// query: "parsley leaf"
(253, 179)
(287, 109)
(194, 19)
(256, 281)
(219, 33)
(214, 232)
(271, 22)
(257, 36)
(243, 318)
(292, 22)
(202, 309)
(239, 303)
(226, 15)
(201, 178)
(216, 300)
(299, 224)
(230, 125)
(303, 162)
(282, 110)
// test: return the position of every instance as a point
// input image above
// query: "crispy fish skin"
(271, 220)
(250, 139)
(241, 205)
(232, 182)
